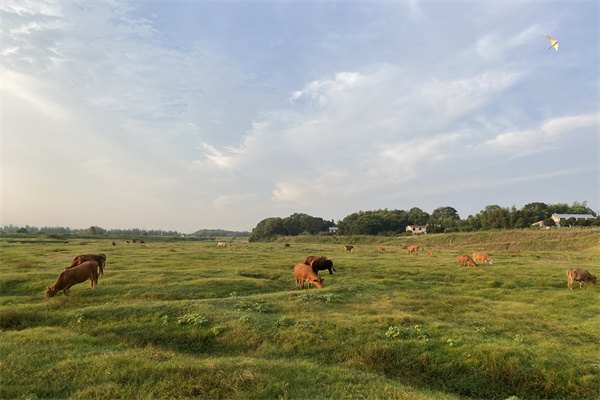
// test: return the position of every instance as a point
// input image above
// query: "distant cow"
(99, 258)
(430, 252)
(349, 247)
(113, 243)
(580, 275)
(319, 263)
(381, 249)
(221, 244)
(465, 260)
(304, 273)
(286, 245)
(482, 258)
(72, 276)
(412, 249)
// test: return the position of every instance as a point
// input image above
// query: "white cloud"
(547, 132)
(494, 46)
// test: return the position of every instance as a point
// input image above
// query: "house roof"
(561, 216)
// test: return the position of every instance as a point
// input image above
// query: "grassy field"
(187, 319)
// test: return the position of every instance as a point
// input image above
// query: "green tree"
(416, 216)
(495, 217)
(534, 212)
(267, 229)
(443, 219)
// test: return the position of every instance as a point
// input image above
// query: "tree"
(443, 219)
(416, 216)
(534, 212)
(581, 208)
(267, 228)
(495, 217)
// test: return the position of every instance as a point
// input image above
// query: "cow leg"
(330, 273)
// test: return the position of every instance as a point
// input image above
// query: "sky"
(215, 115)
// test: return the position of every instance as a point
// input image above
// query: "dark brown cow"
(319, 263)
(74, 275)
(99, 258)
(349, 247)
(580, 275)
(304, 273)
(465, 260)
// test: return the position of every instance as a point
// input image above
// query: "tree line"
(441, 220)
(91, 231)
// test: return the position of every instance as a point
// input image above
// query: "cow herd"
(90, 266)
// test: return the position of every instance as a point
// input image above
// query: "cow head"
(50, 292)
(318, 282)
(593, 279)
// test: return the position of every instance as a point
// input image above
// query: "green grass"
(185, 319)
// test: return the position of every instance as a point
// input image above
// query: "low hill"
(506, 240)
(220, 232)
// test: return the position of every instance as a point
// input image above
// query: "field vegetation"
(185, 319)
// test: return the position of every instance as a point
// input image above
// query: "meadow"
(185, 319)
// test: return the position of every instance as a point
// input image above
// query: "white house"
(416, 229)
(558, 217)
(333, 230)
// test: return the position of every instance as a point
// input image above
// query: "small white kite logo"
(553, 43)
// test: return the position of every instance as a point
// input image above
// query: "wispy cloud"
(548, 131)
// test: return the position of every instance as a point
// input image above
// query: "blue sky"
(189, 115)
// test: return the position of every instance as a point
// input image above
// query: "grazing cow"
(141, 241)
(113, 243)
(286, 245)
(580, 275)
(99, 258)
(381, 249)
(349, 247)
(72, 276)
(482, 258)
(304, 273)
(430, 252)
(221, 244)
(319, 263)
(465, 260)
(412, 249)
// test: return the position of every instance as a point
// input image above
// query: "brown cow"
(430, 252)
(465, 260)
(74, 275)
(349, 247)
(381, 249)
(412, 249)
(482, 258)
(304, 273)
(580, 275)
(99, 258)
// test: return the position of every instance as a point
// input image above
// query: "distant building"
(557, 218)
(333, 230)
(416, 229)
